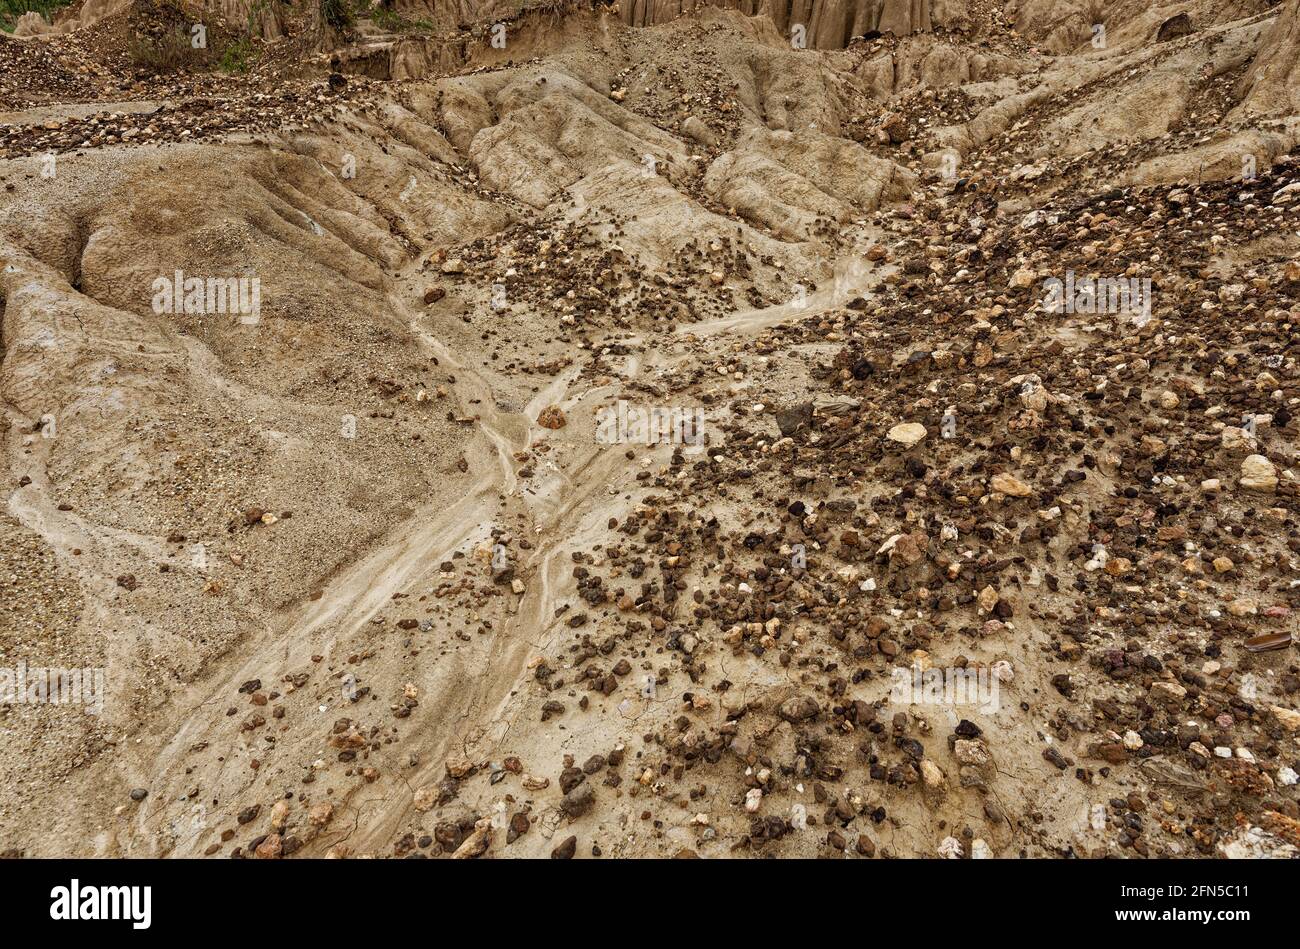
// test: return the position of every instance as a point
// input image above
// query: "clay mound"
(31, 23)
(1144, 109)
(1062, 27)
(826, 24)
(87, 13)
(669, 225)
(88, 346)
(787, 181)
(937, 63)
(404, 170)
(553, 130)
(1227, 158)
(1140, 110)
(1272, 84)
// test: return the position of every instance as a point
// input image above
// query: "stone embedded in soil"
(1011, 486)
(578, 801)
(1258, 474)
(551, 417)
(907, 433)
(321, 814)
(799, 708)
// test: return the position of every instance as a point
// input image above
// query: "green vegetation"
(391, 21)
(337, 13)
(166, 54)
(11, 10)
(238, 56)
(386, 19)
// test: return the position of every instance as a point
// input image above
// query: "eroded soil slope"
(371, 567)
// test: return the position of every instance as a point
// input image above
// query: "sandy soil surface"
(651, 436)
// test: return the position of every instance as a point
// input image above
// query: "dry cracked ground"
(847, 428)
